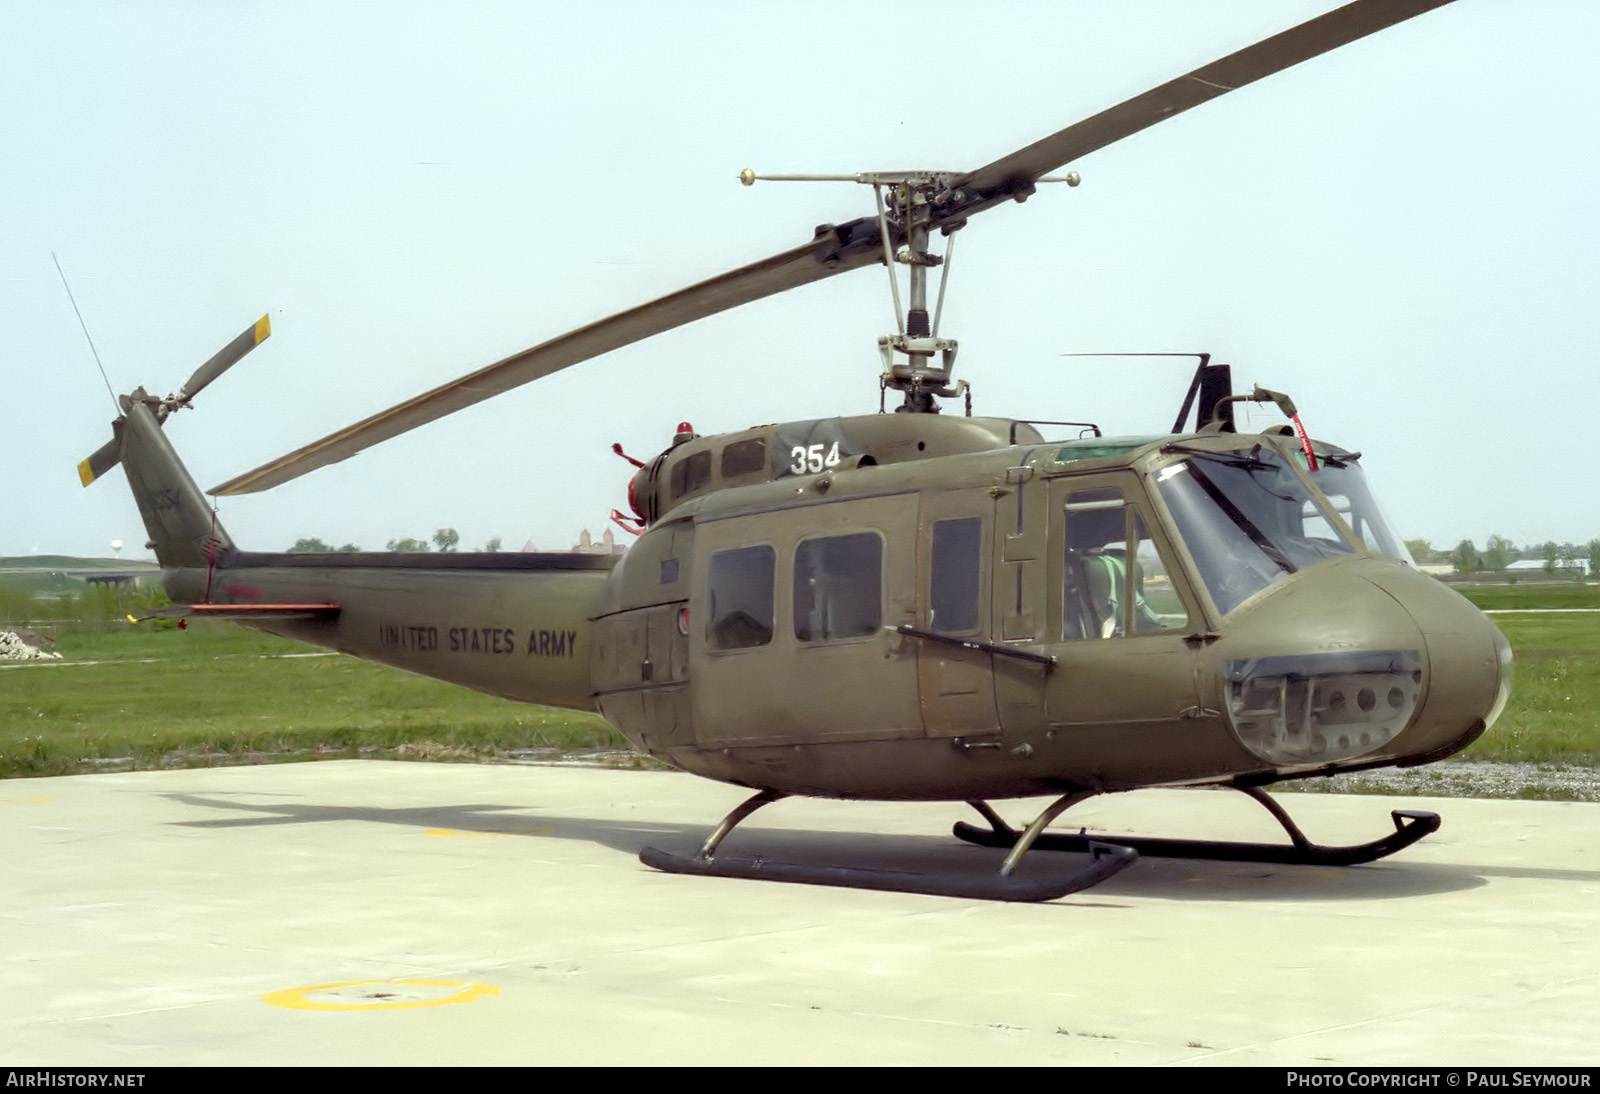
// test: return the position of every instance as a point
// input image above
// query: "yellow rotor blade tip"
(85, 472)
(263, 329)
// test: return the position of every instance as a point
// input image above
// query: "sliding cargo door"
(789, 635)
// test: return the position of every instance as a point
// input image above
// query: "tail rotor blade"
(109, 454)
(225, 358)
(104, 459)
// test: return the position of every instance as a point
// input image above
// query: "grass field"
(216, 693)
(1554, 712)
(1560, 594)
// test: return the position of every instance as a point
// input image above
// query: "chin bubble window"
(1319, 708)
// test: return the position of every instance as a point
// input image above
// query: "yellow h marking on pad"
(378, 995)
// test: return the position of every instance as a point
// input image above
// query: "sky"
(1403, 235)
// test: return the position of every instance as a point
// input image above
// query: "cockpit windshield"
(1249, 520)
(1345, 486)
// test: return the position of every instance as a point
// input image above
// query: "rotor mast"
(916, 360)
(918, 341)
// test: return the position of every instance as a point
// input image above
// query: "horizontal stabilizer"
(240, 612)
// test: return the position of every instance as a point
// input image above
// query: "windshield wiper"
(1232, 459)
(1244, 523)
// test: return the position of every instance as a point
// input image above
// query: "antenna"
(1213, 383)
(85, 327)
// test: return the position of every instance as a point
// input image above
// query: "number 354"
(812, 460)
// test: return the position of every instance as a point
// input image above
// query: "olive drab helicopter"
(918, 605)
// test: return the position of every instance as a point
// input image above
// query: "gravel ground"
(14, 648)
(1458, 779)
(1450, 779)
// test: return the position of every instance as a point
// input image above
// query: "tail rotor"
(109, 455)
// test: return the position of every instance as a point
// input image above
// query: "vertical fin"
(176, 513)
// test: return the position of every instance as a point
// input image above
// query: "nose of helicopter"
(1468, 663)
(1390, 663)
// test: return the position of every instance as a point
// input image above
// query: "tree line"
(1465, 558)
(1499, 552)
(444, 540)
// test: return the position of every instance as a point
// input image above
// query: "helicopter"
(916, 605)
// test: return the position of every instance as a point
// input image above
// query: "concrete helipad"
(398, 913)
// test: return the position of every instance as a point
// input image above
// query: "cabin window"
(690, 474)
(838, 587)
(743, 457)
(739, 598)
(1114, 581)
(954, 579)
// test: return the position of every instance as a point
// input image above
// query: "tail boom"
(513, 625)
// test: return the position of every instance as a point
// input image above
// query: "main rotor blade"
(848, 246)
(225, 358)
(1015, 173)
(845, 247)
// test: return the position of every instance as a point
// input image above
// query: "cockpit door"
(1120, 612)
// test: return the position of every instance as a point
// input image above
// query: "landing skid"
(1105, 859)
(1410, 826)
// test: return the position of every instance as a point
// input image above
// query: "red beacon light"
(685, 433)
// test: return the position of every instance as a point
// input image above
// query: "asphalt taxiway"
(366, 912)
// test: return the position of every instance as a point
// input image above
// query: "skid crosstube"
(1108, 855)
(1410, 826)
(1106, 860)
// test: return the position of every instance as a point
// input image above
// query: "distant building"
(588, 545)
(608, 544)
(1571, 566)
(133, 574)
